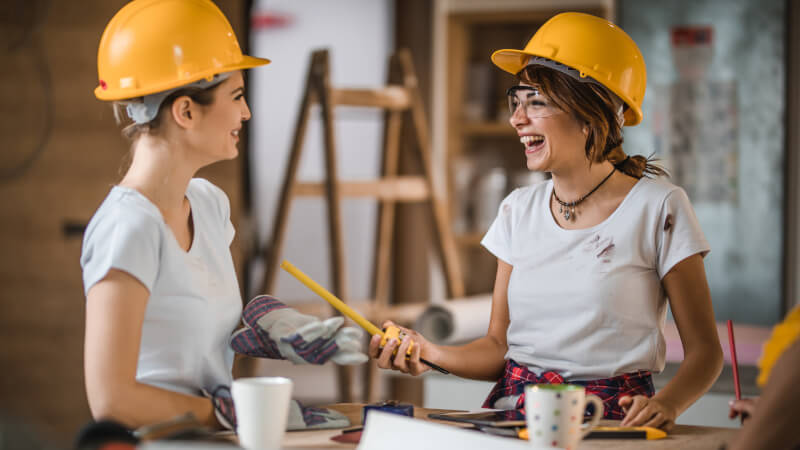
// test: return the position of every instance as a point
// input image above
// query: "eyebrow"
(528, 90)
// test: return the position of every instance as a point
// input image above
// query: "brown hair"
(132, 131)
(593, 105)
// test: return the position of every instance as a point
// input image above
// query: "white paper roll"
(456, 321)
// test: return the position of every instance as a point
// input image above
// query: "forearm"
(138, 404)
(694, 377)
(481, 359)
(774, 423)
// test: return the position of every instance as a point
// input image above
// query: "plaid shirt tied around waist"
(610, 390)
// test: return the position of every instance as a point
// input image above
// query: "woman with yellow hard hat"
(588, 260)
(162, 296)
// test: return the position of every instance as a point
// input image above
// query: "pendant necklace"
(568, 208)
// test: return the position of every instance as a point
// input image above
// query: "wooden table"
(681, 437)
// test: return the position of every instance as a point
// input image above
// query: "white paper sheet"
(385, 431)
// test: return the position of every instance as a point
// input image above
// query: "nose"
(245, 111)
(519, 117)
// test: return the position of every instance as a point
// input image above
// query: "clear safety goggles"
(535, 104)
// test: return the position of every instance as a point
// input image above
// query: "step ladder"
(400, 96)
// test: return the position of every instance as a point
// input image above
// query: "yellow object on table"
(602, 432)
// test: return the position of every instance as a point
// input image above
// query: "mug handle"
(598, 414)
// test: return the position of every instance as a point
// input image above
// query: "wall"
(47, 109)
(734, 141)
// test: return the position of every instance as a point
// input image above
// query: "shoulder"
(656, 191)
(126, 221)
(124, 207)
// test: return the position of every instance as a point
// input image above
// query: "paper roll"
(456, 321)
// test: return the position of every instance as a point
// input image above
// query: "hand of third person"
(646, 411)
(387, 359)
(743, 407)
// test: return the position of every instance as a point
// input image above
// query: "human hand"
(744, 407)
(388, 359)
(647, 411)
(273, 330)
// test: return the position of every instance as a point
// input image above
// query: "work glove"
(305, 418)
(273, 330)
(223, 406)
(300, 417)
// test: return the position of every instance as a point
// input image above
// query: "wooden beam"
(390, 97)
(405, 188)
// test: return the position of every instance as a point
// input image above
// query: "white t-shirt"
(589, 303)
(194, 302)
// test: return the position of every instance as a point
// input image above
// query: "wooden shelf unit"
(476, 119)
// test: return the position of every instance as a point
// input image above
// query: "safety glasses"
(535, 104)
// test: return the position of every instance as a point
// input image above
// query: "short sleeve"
(678, 232)
(498, 239)
(127, 242)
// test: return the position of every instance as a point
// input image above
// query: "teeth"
(531, 140)
(235, 132)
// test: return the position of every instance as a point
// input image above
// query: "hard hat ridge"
(146, 108)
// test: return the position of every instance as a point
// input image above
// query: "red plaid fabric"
(610, 390)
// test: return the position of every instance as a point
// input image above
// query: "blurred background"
(721, 112)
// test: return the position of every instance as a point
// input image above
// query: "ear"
(585, 129)
(184, 112)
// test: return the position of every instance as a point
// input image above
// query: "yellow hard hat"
(150, 46)
(594, 47)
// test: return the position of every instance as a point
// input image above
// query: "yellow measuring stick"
(390, 333)
(330, 298)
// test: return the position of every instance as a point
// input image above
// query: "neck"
(572, 184)
(161, 172)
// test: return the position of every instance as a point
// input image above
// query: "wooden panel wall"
(414, 225)
(46, 82)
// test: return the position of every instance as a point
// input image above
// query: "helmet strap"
(145, 109)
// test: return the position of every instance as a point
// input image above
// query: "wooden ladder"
(395, 99)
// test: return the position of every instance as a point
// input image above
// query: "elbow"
(710, 357)
(109, 403)
(104, 407)
(716, 361)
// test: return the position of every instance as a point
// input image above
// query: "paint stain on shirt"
(602, 248)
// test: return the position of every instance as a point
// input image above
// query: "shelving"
(484, 160)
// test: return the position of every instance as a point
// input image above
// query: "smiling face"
(552, 138)
(217, 132)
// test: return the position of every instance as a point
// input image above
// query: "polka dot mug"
(555, 412)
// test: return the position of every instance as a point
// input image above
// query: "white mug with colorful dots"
(554, 414)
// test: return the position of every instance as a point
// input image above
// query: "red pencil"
(735, 366)
(732, 345)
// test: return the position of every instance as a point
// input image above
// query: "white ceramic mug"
(262, 409)
(554, 414)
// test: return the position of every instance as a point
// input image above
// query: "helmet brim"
(247, 62)
(513, 61)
